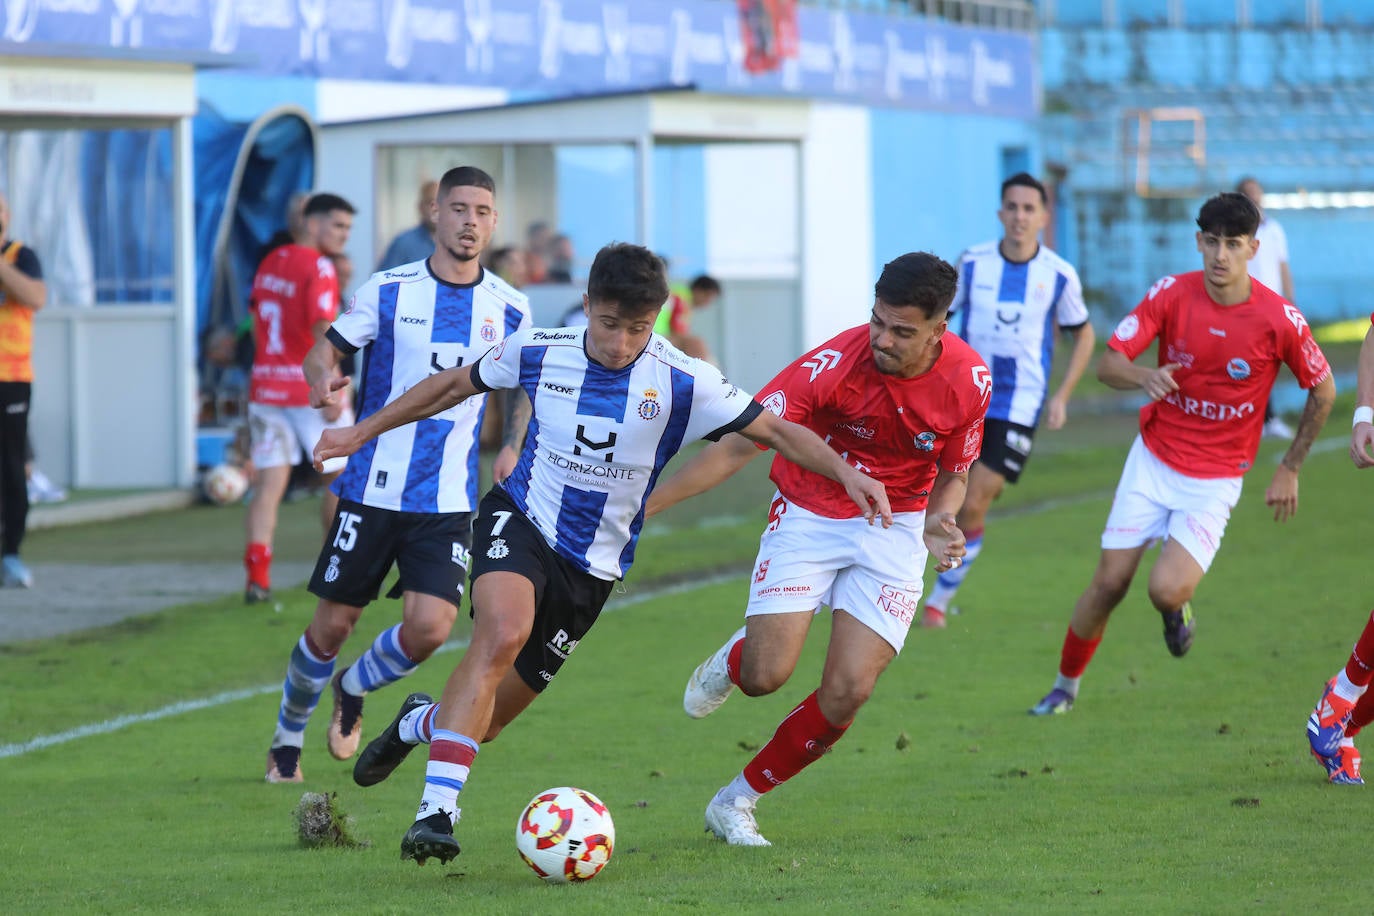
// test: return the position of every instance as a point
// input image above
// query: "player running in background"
(1012, 296)
(295, 297)
(408, 497)
(612, 404)
(903, 401)
(1221, 339)
(1347, 703)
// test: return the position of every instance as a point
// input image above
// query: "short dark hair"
(918, 279)
(320, 204)
(631, 276)
(465, 176)
(1025, 180)
(705, 283)
(1229, 214)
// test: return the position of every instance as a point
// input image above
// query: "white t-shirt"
(1273, 252)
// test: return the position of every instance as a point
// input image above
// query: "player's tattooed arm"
(517, 410)
(1282, 494)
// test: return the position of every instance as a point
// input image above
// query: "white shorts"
(1154, 501)
(870, 572)
(285, 435)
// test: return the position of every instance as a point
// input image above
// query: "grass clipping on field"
(322, 823)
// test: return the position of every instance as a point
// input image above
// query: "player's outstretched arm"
(942, 536)
(1362, 430)
(803, 447)
(437, 393)
(707, 468)
(1084, 338)
(1282, 493)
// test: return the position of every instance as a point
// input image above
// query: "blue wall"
(679, 220)
(936, 179)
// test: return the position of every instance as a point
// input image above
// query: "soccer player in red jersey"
(1347, 703)
(902, 401)
(295, 297)
(1221, 339)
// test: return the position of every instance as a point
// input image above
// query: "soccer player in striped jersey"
(903, 400)
(1220, 339)
(408, 498)
(613, 402)
(1347, 704)
(1013, 296)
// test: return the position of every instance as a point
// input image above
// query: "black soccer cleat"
(385, 752)
(430, 838)
(256, 594)
(1178, 630)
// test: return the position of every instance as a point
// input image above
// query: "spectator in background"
(417, 242)
(508, 263)
(560, 259)
(1270, 267)
(22, 292)
(675, 321)
(295, 297)
(537, 239)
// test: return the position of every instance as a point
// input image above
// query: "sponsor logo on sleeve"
(1295, 316)
(1160, 286)
(1129, 326)
(821, 361)
(776, 403)
(982, 377)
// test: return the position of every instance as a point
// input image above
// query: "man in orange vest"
(22, 292)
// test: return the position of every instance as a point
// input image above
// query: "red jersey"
(900, 431)
(294, 288)
(1229, 357)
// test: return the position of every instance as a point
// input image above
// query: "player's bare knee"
(1167, 597)
(758, 683)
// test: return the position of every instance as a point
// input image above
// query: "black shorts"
(1006, 447)
(567, 600)
(430, 550)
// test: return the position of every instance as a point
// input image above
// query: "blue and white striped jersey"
(1009, 312)
(600, 437)
(413, 325)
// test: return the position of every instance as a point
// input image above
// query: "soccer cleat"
(710, 686)
(16, 574)
(430, 838)
(1326, 725)
(932, 618)
(733, 821)
(1178, 630)
(1343, 768)
(1057, 702)
(385, 752)
(284, 764)
(346, 724)
(256, 594)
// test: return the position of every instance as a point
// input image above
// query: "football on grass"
(565, 834)
(225, 484)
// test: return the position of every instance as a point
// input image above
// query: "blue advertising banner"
(552, 48)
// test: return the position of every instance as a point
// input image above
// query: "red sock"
(1360, 668)
(802, 739)
(1362, 715)
(732, 661)
(257, 559)
(1076, 654)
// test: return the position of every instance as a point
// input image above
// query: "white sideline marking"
(622, 600)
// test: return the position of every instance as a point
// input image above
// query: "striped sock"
(385, 662)
(450, 758)
(417, 726)
(307, 674)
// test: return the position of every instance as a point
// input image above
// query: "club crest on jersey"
(1127, 328)
(1238, 369)
(498, 550)
(925, 441)
(649, 407)
(331, 572)
(488, 332)
(776, 403)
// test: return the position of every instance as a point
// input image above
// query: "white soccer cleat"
(732, 819)
(709, 686)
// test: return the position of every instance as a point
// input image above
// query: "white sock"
(1067, 684)
(739, 787)
(1347, 690)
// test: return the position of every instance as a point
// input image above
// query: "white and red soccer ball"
(565, 834)
(224, 484)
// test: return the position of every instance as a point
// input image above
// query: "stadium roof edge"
(153, 56)
(524, 103)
